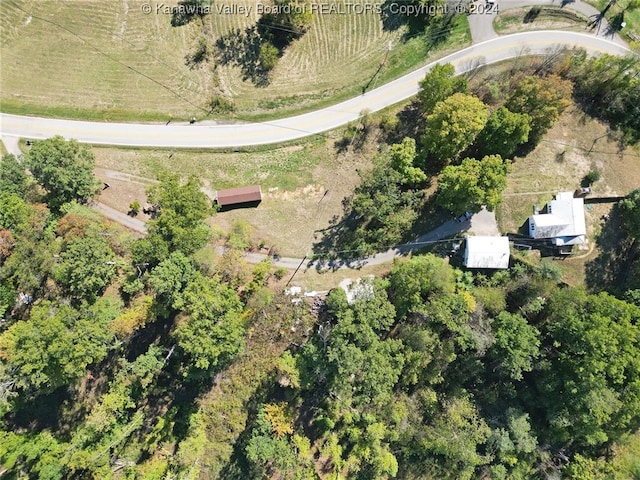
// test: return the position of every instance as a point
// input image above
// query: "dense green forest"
(138, 358)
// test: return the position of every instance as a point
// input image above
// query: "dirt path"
(121, 218)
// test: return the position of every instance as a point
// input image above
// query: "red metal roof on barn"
(231, 196)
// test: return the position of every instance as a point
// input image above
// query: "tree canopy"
(516, 345)
(179, 223)
(438, 85)
(54, 346)
(453, 126)
(543, 99)
(417, 280)
(503, 133)
(591, 387)
(402, 158)
(13, 178)
(64, 169)
(630, 211)
(87, 265)
(472, 184)
(211, 333)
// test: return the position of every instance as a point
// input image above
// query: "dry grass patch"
(93, 59)
(573, 147)
(294, 180)
(108, 57)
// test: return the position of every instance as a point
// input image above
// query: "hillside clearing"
(574, 146)
(110, 61)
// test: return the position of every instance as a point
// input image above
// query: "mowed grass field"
(95, 59)
(107, 60)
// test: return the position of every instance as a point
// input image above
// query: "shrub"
(590, 178)
(268, 56)
(220, 104)
(134, 208)
(491, 298)
(239, 238)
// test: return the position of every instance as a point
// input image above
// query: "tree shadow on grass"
(410, 124)
(336, 236)
(341, 243)
(186, 11)
(242, 49)
(395, 16)
(611, 269)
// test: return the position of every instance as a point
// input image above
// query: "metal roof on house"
(232, 196)
(564, 221)
(487, 252)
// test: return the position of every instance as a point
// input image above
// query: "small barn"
(241, 197)
(487, 252)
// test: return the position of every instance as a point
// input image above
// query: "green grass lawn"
(619, 13)
(90, 59)
(284, 168)
(519, 19)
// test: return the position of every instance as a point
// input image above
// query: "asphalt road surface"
(316, 122)
(483, 14)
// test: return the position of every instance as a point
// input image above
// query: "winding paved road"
(481, 21)
(492, 50)
(292, 128)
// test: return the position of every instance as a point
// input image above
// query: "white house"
(563, 223)
(487, 252)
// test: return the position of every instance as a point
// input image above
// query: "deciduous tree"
(86, 267)
(473, 184)
(13, 178)
(516, 345)
(54, 346)
(268, 56)
(171, 277)
(179, 224)
(453, 126)
(591, 388)
(64, 169)
(630, 212)
(502, 134)
(212, 330)
(459, 420)
(543, 99)
(438, 85)
(402, 157)
(413, 282)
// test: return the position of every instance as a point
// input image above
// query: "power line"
(589, 150)
(408, 246)
(115, 60)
